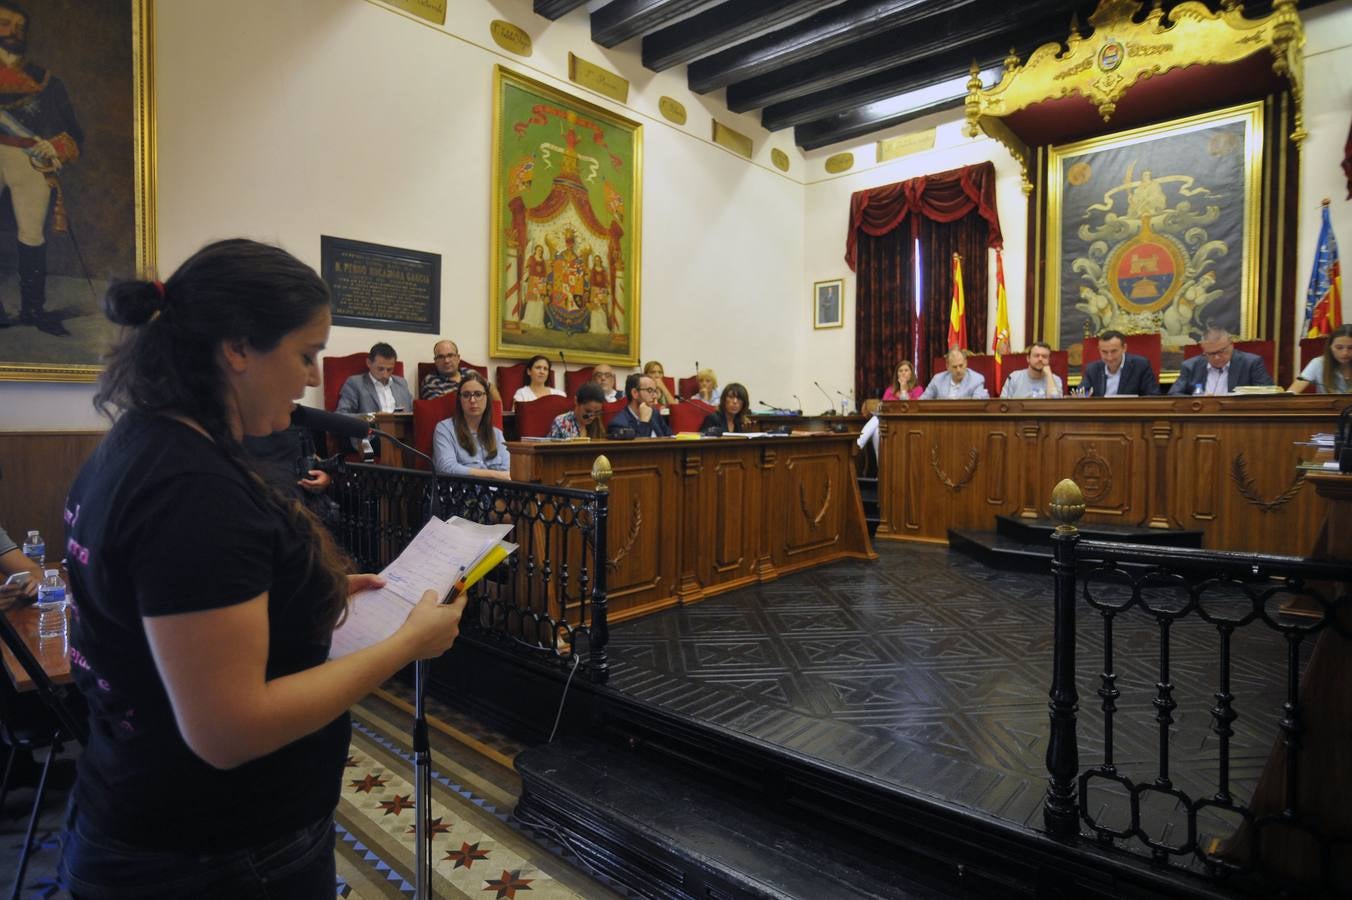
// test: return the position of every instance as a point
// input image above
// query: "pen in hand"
(456, 589)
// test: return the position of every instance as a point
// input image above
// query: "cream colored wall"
(285, 121)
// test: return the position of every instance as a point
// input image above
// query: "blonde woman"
(654, 371)
(708, 390)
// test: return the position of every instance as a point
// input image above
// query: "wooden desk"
(693, 518)
(1225, 465)
(53, 655)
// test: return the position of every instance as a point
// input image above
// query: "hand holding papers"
(445, 557)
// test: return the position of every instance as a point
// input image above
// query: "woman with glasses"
(538, 370)
(467, 443)
(731, 415)
(585, 418)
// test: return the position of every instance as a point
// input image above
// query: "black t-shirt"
(160, 521)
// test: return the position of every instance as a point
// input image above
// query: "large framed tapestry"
(1156, 230)
(78, 202)
(567, 188)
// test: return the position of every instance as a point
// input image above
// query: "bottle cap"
(48, 573)
(33, 534)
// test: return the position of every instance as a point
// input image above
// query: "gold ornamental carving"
(814, 519)
(1239, 473)
(1093, 474)
(1121, 53)
(635, 526)
(967, 472)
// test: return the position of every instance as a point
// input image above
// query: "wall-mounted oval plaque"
(510, 37)
(671, 110)
(841, 162)
(780, 159)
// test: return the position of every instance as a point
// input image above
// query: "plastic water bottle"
(1199, 389)
(35, 548)
(51, 605)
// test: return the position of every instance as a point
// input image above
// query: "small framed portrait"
(828, 303)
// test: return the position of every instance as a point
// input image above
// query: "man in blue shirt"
(641, 414)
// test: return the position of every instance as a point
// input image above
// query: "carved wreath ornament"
(968, 471)
(1239, 472)
(813, 519)
(635, 526)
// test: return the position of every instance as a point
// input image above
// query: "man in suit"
(641, 413)
(379, 390)
(1117, 372)
(958, 383)
(1221, 368)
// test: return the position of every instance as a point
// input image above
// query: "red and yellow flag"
(957, 321)
(1000, 343)
(1324, 296)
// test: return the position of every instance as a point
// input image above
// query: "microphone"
(368, 453)
(799, 410)
(777, 410)
(830, 404)
(563, 359)
(339, 424)
(394, 440)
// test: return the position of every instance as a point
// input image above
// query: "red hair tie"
(159, 287)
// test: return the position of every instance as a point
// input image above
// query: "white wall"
(285, 121)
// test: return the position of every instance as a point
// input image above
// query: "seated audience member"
(584, 420)
(604, 376)
(12, 560)
(448, 373)
(640, 414)
(653, 369)
(958, 383)
(1038, 380)
(1221, 368)
(903, 387)
(732, 413)
(538, 369)
(467, 443)
(1330, 372)
(708, 390)
(379, 390)
(1117, 372)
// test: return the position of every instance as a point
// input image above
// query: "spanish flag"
(1000, 344)
(1324, 297)
(957, 323)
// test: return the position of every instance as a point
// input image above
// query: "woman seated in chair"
(585, 418)
(731, 414)
(467, 443)
(654, 370)
(903, 387)
(708, 391)
(1331, 372)
(538, 369)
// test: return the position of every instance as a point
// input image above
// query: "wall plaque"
(375, 286)
(671, 110)
(432, 10)
(603, 81)
(733, 140)
(510, 37)
(904, 144)
(841, 162)
(780, 159)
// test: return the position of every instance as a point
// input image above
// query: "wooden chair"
(338, 369)
(510, 379)
(612, 409)
(688, 415)
(1147, 345)
(1265, 350)
(688, 387)
(534, 418)
(1013, 362)
(576, 378)
(427, 368)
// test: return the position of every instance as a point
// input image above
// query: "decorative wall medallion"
(780, 159)
(841, 162)
(671, 110)
(968, 471)
(813, 519)
(1239, 473)
(1093, 474)
(509, 37)
(635, 525)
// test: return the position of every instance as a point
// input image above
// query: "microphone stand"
(830, 404)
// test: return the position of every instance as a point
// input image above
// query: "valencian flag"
(957, 321)
(1000, 345)
(1324, 298)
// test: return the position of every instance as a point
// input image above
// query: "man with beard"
(38, 135)
(1038, 380)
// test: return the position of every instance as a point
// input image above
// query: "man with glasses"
(448, 374)
(1221, 368)
(604, 376)
(640, 415)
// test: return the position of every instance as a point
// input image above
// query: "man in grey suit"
(1221, 368)
(958, 383)
(1117, 372)
(379, 390)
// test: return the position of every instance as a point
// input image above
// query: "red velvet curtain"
(949, 211)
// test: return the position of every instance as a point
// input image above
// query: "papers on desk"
(438, 558)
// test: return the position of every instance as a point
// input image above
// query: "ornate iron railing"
(547, 599)
(1283, 836)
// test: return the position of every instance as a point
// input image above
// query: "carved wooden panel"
(1103, 464)
(732, 484)
(1201, 458)
(997, 477)
(811, 492)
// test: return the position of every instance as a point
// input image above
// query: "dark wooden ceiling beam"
(556, 9)
(828, 30)
(857, 123)
(941, 35)
(723, 26)
(620, 20)
(902, 79)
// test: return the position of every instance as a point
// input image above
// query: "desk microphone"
(830, 404)
(799, 410)
(339, 424)
(398, 443)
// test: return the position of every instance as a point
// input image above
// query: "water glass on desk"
(51, 606)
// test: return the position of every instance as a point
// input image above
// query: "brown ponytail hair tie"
(159, 287)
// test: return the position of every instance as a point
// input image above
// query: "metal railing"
(1284, 836)
(547, 599)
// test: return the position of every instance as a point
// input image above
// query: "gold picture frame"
(566, 226)
(828, 303)
(106, 195)
(1156, 230)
